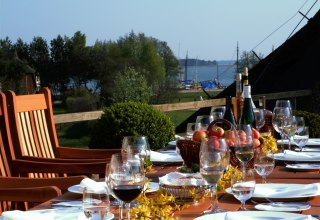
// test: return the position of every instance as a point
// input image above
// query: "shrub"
(312, 120)
(131, 118)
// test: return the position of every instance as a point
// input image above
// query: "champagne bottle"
(267, 127)
(238, 101)
(247, 116)
(228, 115)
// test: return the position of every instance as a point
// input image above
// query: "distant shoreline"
(199, 90)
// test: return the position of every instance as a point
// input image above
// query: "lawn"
(78, 134)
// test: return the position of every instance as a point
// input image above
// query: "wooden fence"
(93, 115)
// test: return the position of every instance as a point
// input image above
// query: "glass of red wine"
(126, 179)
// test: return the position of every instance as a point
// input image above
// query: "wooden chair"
(21, 192)
(34, 139)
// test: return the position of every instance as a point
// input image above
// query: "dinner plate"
(262, 215)
(283, 206)
(172, 143)
(153, 187)
(164, 157)
(284, 191)
(304, 166)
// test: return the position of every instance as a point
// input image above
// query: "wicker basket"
(182, 193)
(189, 151)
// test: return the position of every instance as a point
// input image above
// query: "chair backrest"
(33, 129)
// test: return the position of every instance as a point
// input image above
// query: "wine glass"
(204, 121)
(283, 104)
(289, 128)
(244, 150)
(242, 187)
(136, 145)
(264, 164)
(96, 204)
(301, 137)
(259, 115)
(216, 109)
(278, 115)
(213, 163)
(300, 123)
(126, 179)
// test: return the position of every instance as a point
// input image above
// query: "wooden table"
(226, 201)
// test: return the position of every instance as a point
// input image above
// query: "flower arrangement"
(269, 143)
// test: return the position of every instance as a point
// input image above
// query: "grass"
(77, 134)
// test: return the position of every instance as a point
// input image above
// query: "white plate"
(284, 191)
(283, 206)
(298, 156)
(83, 217)
(165, 157)
(263, 215)
(304, 166)
(172, 143)
(153, 187)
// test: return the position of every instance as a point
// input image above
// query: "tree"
(130, 85)
(248, 59)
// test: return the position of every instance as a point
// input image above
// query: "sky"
(205, 29)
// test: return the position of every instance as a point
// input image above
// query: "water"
(224, 73)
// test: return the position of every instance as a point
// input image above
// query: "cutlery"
(279, 204)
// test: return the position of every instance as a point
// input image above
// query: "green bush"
(131, 118)
(312, 120)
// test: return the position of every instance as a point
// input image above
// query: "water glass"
(264, 164)
(204, 121)
(216, 109)
(301, 137)
(95, 204)
(259, 115)
(191, 128)
(243, 186)
(300, 123)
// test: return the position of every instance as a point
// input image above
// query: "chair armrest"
(69, 152)
(29, 194)
(63, 160)
(21, 182)
(27, 166)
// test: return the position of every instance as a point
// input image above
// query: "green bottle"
(247, 116)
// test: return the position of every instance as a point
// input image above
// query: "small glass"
(264, 164)
(242, 187)
(220, 108)
(191, 128)
(96, 205)
(301, 138)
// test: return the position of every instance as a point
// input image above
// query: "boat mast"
(186, 69)
(237, 58)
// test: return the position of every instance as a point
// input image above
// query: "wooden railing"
(93, 115)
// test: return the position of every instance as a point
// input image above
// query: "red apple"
(199, 135)
(255, 133)
(215, 130)
(242, 135)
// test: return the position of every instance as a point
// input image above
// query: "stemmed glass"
(126, 179)
(244, 150)
(242, 187)
(259, 115)
(96, 204)
(214, 160)
(300, 123)
(263, 163)
(289, 128)
(301, 137)
(278, 116)
(136, 145)
(283, 104)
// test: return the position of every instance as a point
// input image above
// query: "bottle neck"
(262, 102)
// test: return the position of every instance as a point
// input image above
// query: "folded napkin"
(181, 179)
(28, 215)
(164, 157)
(293, 155)
(97, 187)
(286, 190)
(236, 216)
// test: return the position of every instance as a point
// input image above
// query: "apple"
(214, 130)
(256, 142)
(255, 133)
(199, 135)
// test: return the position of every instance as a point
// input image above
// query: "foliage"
(130, 85)
(131, 118)
(269, 144)
(312, 120)
(225, 180)
(80, 100)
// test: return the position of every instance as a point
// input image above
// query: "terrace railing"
(93, 115)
